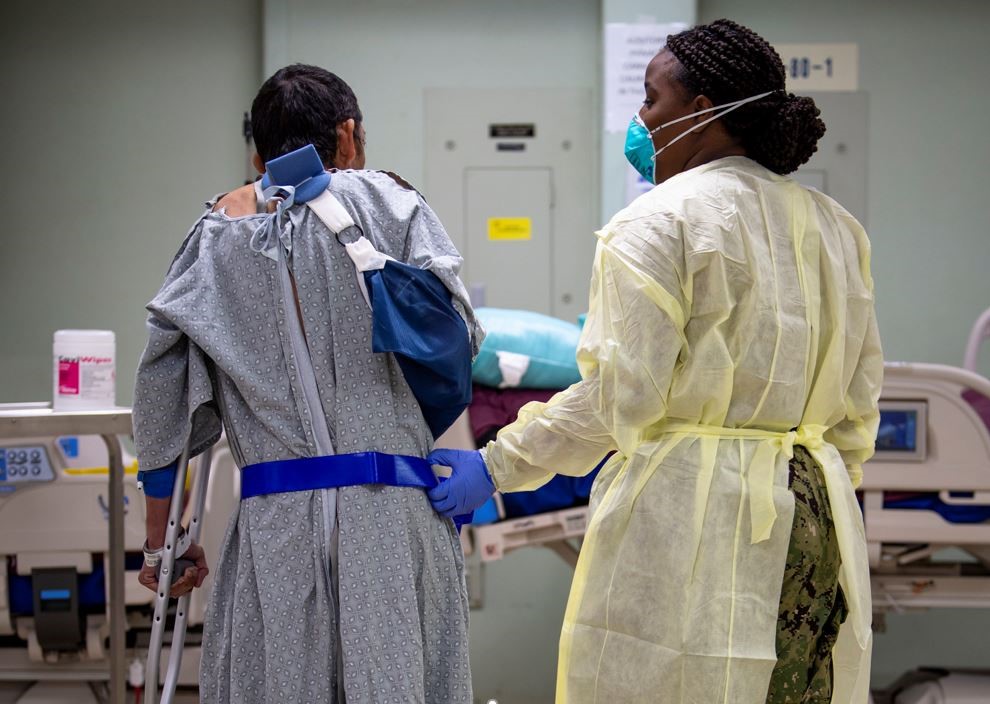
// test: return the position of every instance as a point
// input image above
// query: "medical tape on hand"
(153, 558)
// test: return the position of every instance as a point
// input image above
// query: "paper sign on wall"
(820, 67)
(510, 229)
(628, 50)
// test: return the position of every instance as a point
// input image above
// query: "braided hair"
(725, 62)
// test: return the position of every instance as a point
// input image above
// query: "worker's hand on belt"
(192, 576)
(468, 487)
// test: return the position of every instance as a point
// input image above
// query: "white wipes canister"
(84, 376)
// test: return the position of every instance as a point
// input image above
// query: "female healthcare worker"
(731, 357)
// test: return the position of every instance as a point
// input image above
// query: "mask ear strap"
(688, 117)
(729, 108)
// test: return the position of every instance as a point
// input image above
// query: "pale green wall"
(390, 51)
(924, 66)
(118, 121)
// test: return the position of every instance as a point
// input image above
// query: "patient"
(322, 594)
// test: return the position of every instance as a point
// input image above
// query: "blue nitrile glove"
(468, 487)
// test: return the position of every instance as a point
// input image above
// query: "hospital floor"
(18, 692)
(12, 692)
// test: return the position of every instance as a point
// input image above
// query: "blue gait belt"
(334, 472)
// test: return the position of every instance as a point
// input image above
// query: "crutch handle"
(181, 565)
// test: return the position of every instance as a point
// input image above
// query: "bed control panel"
(903, 431)
(28, 463)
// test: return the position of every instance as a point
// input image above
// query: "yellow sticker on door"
(510, 229)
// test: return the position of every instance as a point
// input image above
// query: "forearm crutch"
(166, 576)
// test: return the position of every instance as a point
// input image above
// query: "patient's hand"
(192, 577)
(239, 202)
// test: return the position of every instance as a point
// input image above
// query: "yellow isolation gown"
(731, 318)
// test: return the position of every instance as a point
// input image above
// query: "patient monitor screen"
(898, 431)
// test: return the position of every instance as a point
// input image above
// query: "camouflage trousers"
(811, 603)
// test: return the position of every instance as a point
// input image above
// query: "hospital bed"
(63, 536)
(926, 493)
(56, 591)
(927, 490)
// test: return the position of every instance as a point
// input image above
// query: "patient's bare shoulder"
(239, 202)
(399, 180)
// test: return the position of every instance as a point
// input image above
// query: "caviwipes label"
(87, 376)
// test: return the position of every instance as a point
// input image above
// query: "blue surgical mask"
(639, 138)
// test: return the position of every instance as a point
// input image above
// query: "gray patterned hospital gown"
(319, 595)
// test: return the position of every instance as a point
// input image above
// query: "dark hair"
(725, 62)
(301, 105)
